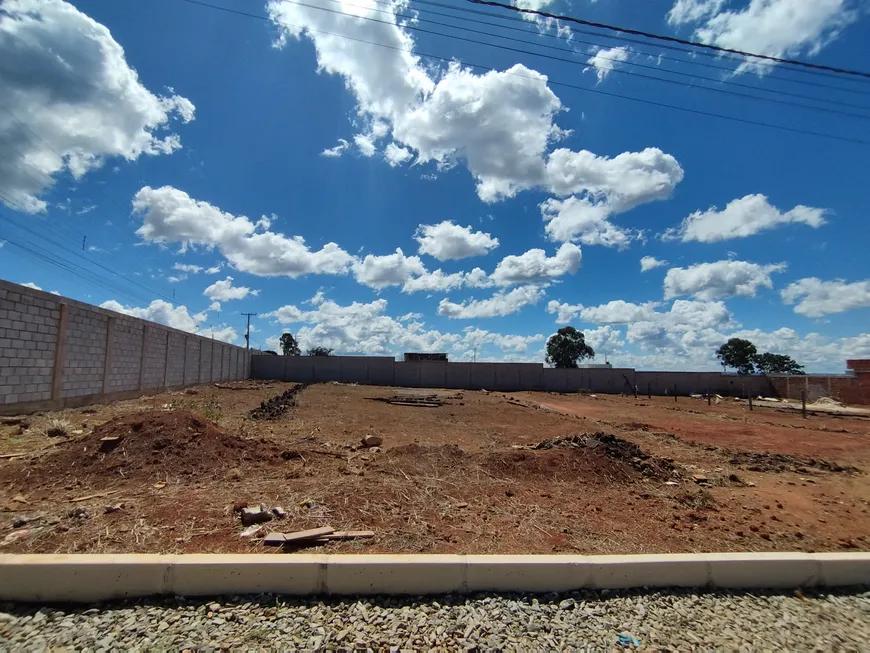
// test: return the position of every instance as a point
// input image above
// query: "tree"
(768, 363)
(739, 354)
(288, 345)
(566, 347)
(320, 351)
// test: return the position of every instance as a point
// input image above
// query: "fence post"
(142, 356)
(804, 403)
(750, 402)
(709, 398)
(166, 361)
(675, 393)
(59, 354)
(107, 361)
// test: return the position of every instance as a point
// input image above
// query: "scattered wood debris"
(95, 496)
(418, 401)
(313, 536)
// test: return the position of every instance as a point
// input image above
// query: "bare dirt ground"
(164, 473)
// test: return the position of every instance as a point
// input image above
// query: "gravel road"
(588, 620)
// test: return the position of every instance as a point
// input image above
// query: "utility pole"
(84, 238)
(248, 331)
(474, 355)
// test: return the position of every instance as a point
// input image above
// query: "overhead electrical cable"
(596, 91)
(674, 39)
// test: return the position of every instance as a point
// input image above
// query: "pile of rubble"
(256, 518)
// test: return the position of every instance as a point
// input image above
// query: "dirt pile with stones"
(278, 405)
(152, 445)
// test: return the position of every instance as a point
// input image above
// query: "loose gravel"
(586, 620)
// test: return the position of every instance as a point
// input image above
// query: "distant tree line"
(289, 347)
(742, 356)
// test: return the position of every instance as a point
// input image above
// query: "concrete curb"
(87, 578)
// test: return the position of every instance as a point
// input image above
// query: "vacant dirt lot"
(479, 473)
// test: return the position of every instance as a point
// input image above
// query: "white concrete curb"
(86, 578)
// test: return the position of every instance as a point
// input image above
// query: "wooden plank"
(298, 536)
(95, 496)
(349, 535)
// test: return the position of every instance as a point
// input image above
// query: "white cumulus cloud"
(177, 317)
(534, 266)
(606, 59)
(775, 28)
(500, 304)
(66, 78)
(170, 215)
(720, 279)
(648, 263)
(500, 124)
(740, 218)
(448, 241)
(225, 291)
(814, 298)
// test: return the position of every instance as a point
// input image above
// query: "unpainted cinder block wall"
(56, 352)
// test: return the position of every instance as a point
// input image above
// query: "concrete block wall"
(124, 354)
(28, 335)
(56, 352)
(154, 360)
(191, 361)
(175, 359)
(84, 346)
(505, 377)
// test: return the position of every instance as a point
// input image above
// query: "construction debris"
(255, 530)
(372, 441)
(255, 515)
(278, 405)
(275, 539)
(108, 443)
(699, 478)
(279, 512)
(419, 401)
(110, 509)
(321, 535)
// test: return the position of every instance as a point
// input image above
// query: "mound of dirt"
(756, 461)
(155, 444)
(277, 405)
(610, 447)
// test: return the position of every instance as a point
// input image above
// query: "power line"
(576, 62)
(674, 39)
(596, 91)
(659, 55)
(26, 228)
(664, 46)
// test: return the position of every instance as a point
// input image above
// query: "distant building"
(409, 356)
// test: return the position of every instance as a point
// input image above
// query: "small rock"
(214, 607)
(20, 498)
(372, 441)
(567, 604)
(374, 449)
(255, 515)
(78, 513)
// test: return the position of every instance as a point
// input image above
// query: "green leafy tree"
(320, 351)
(288, 345)
(567, 347)
(768, 363)
(738, 354)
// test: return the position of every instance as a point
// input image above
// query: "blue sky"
(216, 163)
